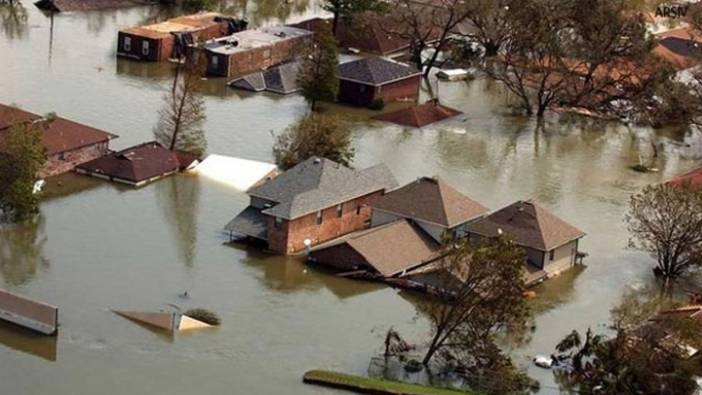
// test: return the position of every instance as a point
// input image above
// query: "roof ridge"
(439, 185)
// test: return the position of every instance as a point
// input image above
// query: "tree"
(348, 9)
(666, 221)
(22, 160)
(488, 25)
(183, 112)
(314, 135)
(317, 77)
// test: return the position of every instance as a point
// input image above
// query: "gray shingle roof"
(280, 79)
(529, 225)
(319, 183)
(375, 71)
(249, 222)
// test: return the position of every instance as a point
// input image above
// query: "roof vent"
(499, 231)
(316, 161)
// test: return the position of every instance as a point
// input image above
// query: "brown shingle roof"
(10, 115)
(185, 23)
(418, 116)
(529, 225)
(135, 164)
(432, 200)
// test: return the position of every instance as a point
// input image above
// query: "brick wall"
(290, 238)
(66, 161)
(408, 88)
(257, 59)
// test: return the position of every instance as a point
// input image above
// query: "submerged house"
(364, 81)
(67, 144)
(682, 48)
(280, 79)
(432, 205)
(551, 244)
(249, 51)
(169, 40)
(419, 116)
(316, 201)
(138, 165)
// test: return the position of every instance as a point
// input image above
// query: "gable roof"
(529, 225)
(10, 115)
(693, 178)
(375, 71)
(391, 248)
(318, 183)
(135, 164)
(431, 200)
(280, 79)
(419, 116)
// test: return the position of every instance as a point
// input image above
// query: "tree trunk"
(491, 49)
(335, 22)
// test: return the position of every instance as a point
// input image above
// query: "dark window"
(127, 43)
(319, 217)
(278, 224)
(358, 210)
(339, 210)
(550, 254)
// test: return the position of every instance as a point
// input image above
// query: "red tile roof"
(419, 116)
(135, 164)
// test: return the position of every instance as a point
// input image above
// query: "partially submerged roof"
(239, 173)
(419, 116)
(280, 79)
(249, 222)
(255, 38)
(135, 164)
(319, 183)
(59, 135)
(529, 225)
(168, 321)
(392, 248)
(87, 5)
(692, 178)
(431, 200)
(680, 47)
(375, 71)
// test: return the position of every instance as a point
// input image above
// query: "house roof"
(375, 71)
(185, 23)
(280, 79)
(87, 5)
(256, 38)
(58, 134)
(680, 47)
(419, 116)
(249, 222)
(135, 164)
(529, 225)
(319, 183)
(431, 200)
(10, 115)
(392, 248)
(694, 178)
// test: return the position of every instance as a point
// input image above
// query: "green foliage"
(19, 165)
(318, 72)
(314, 135)
(666, 221)
(377, 104)
(204, 315)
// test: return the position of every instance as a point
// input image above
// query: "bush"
(377, 104)
(206, 316)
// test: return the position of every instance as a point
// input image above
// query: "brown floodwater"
(97, 246)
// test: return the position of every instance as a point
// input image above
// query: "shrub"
(206, 316)
(377, 104)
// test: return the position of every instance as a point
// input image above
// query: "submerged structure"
(419, 116)
(364, 81)
(281, 79)
(241, 174)
(170, 39)
(316, 201)
(170, 322)
(31, 314)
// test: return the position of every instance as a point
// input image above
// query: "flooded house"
(367, 80)
(138, 165)
(550, 243)
(67, 144)
(250, 51)
(169, 39)
(682, 47)
(431, 204)
(314, 202)
(419, 116)
(281, 79)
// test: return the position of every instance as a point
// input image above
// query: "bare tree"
(666, 221)
(180, 126)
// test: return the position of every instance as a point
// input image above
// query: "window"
(358, 210)
(127, 43)
(339, 210)
(145, 47)
(215, 61)
(267, 53)
(278, 224)
(550, 254)
(319, 217)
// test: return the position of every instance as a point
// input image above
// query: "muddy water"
(97, 246)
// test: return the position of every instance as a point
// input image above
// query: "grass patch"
(373, 386)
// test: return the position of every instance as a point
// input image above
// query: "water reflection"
(27, 341)
(179, 197)
(21, 252)
(13, 18)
